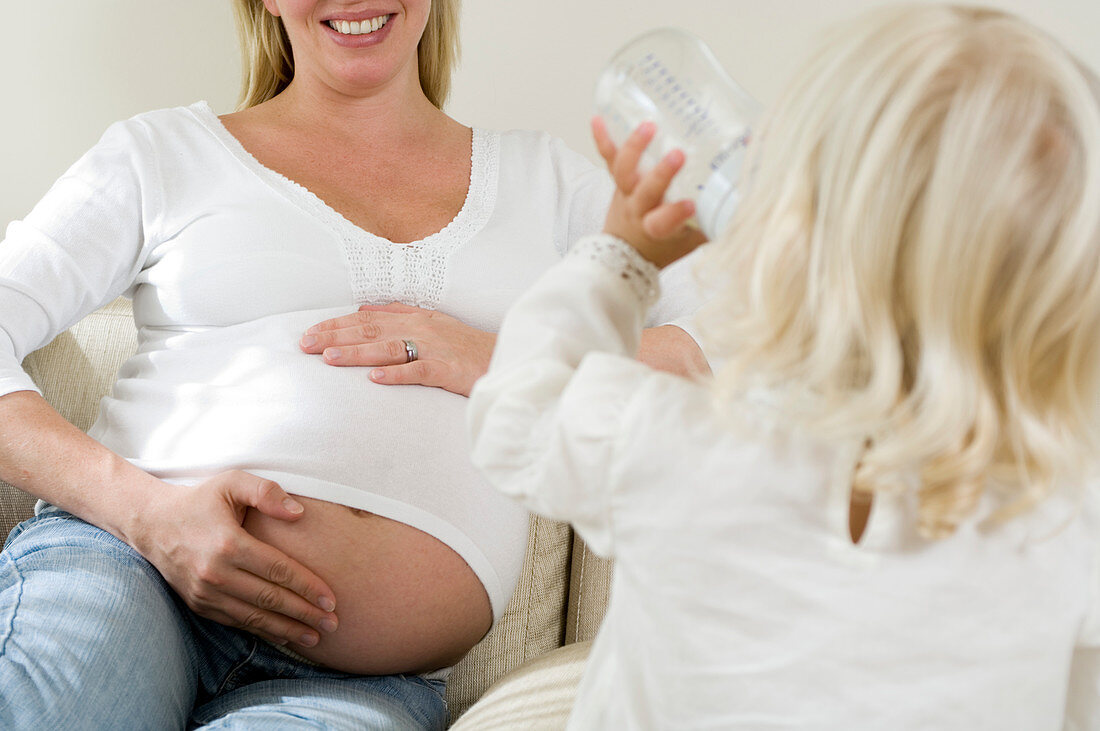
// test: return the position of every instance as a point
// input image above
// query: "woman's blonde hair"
(916, 263)
(269, 63)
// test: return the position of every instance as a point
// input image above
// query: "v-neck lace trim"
(381, 271)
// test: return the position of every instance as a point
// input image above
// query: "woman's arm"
(192, 535)
(83, 245)
(669, 348)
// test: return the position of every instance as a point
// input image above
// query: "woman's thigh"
(90, 634)
(368, 703)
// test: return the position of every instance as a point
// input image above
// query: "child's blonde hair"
(915, 263)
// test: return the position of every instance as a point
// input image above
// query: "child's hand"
(638, 213)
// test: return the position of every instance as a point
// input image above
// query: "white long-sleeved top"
(229, 262)
(738, 599)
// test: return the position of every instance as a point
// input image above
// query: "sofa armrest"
(589, 589)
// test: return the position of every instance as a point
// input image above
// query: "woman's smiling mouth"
(358, 27)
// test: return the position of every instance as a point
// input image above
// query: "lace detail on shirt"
(415, 273)
(381, 271)
(621, 258)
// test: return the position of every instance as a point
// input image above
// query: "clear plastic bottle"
(670, 77)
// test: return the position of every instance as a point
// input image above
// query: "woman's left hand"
(450, 354)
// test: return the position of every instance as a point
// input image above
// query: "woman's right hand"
(193, 536)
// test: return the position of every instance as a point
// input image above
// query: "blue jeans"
(92, 637)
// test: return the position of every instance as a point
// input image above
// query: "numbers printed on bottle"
(661, 83)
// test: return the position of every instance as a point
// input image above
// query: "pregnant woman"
(250, 535)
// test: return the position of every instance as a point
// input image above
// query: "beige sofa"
(540, 643)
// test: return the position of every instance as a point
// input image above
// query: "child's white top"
(738, 599)
(228, 263)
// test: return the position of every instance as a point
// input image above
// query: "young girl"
(877, 514)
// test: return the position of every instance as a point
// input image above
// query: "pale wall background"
(71, 67)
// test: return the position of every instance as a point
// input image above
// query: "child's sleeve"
(1083, 698)
(548, 421)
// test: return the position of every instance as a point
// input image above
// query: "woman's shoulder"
(538, 160)
(141, 142)
(168, 115)
(173, 120)
(170, 126)
(538, 146)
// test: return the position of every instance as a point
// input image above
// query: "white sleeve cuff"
(16, 380)
(619, 257)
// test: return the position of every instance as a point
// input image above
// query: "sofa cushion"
(537, 695)
(77, 369)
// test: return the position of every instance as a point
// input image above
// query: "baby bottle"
(670, 77)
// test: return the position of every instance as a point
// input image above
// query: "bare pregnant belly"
(405, 602)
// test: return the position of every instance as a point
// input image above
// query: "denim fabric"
(92, 637)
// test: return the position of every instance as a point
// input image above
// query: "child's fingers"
(650, 190)
(625, 167)
(667, 220)
(604, 145)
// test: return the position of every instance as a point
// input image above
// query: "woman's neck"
(388, 114)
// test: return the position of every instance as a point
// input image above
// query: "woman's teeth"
(356, 27)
